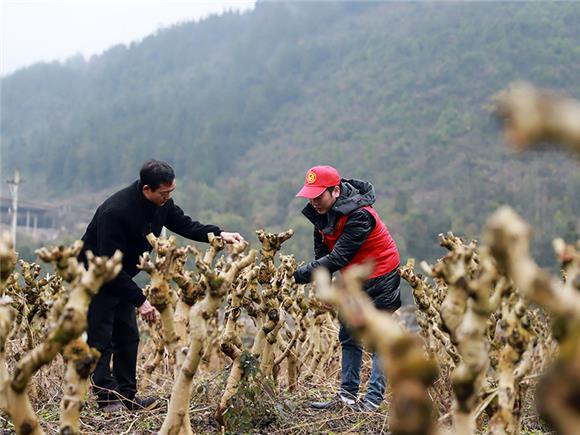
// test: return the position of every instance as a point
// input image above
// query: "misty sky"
(45, 30)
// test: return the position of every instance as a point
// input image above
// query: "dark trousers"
(352, 353)
(112, 330)
(385, 293)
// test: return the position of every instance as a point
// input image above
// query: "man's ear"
(336, 192)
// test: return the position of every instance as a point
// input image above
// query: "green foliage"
(242, 105)
(249, 363)
(253, 407)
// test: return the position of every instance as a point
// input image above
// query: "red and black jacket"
(352, 233)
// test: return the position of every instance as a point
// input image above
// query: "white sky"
(46, 30)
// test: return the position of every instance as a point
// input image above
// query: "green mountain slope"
(242, 105)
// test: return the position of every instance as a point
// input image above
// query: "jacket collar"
(147, 206)
(323, 222)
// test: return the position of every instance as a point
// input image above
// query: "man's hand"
(148, 312)
(231, 237)
(328, 306)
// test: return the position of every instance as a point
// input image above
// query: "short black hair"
(154, 173)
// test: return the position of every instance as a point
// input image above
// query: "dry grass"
(258, 409)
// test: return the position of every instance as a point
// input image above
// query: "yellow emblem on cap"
(311, 177)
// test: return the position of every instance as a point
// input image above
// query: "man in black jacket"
(123, 222)
(347, 231)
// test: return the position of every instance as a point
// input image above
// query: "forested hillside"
(242, 105)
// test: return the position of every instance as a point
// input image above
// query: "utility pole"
(14, 183)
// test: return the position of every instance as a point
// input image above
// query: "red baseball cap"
(317, 180)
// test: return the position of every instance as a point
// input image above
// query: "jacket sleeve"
(359, 225)
(112, 235)
(178, 222)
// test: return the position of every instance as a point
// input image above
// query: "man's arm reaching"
(356, 230)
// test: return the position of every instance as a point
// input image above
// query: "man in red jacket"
(347, 231)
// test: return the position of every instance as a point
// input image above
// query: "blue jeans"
(385, 292)
(352, 352)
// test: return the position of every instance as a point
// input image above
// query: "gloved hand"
(303, 274)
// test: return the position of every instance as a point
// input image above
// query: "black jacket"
(354, 194)
(123, 222)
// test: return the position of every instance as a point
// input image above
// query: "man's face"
(324, 202)
(160, 195)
